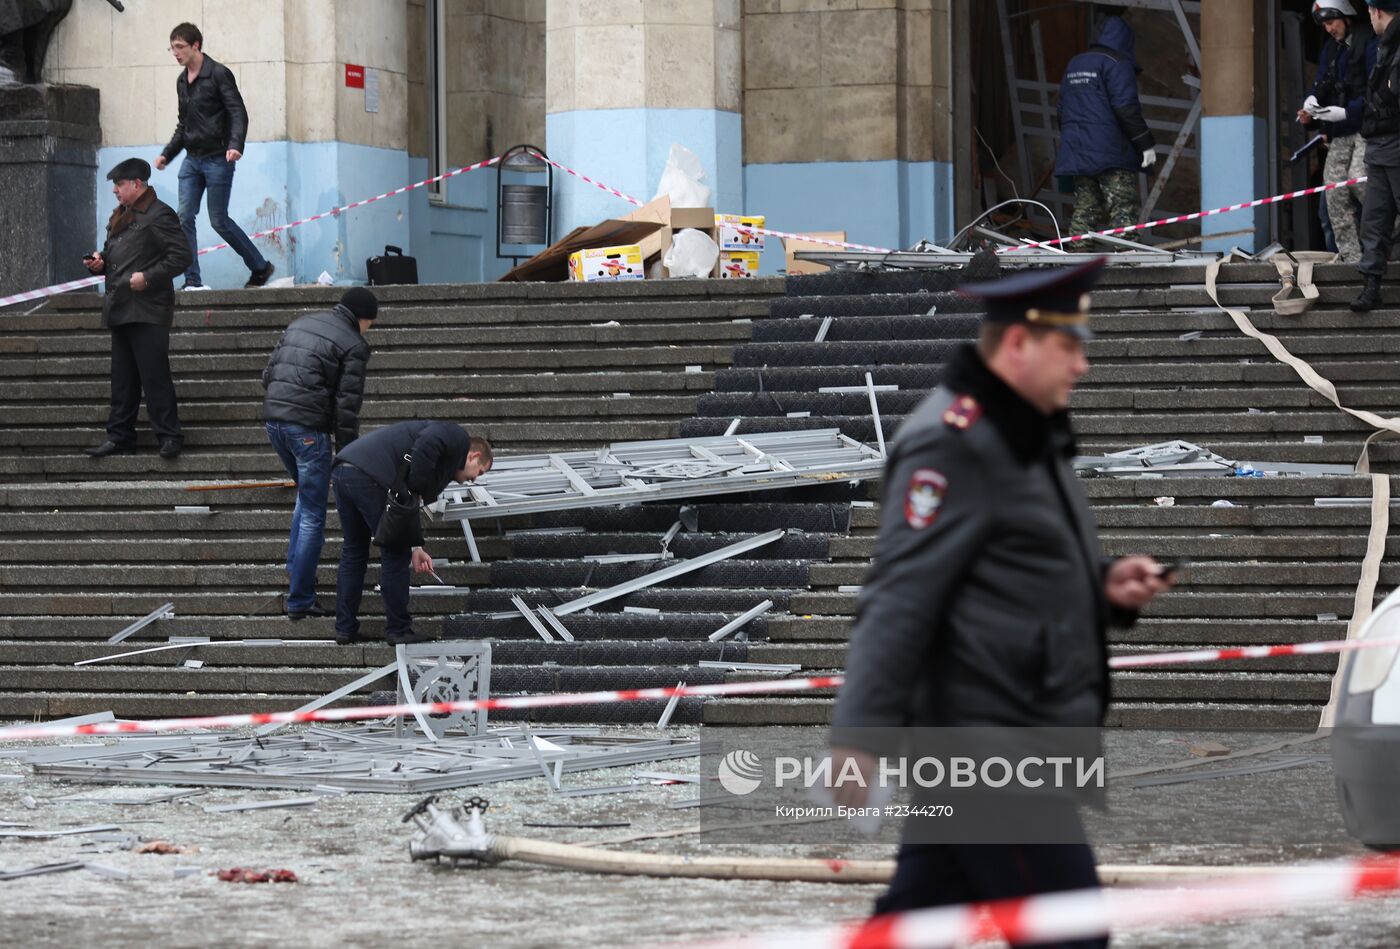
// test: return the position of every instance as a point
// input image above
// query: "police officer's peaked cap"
(1054, 299)
(133, 169)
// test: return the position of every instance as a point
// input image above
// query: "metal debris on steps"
(443, 751)
(1180, 458)
(678, 468)
(165, 611)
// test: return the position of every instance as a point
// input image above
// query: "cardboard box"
(671, 220)
(552, 263)
(792, 245)
(736, 231)
(737, 264)
(623, 262)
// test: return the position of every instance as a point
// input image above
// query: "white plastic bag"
(692, 254)
(680, 181)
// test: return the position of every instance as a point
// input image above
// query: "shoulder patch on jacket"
(924, 497)
(963, 413)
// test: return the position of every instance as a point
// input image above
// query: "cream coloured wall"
(845, 80)
(288, 57)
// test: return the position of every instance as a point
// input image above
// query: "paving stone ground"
(359, 888)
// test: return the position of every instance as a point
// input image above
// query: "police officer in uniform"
(1380, 127)
(988, 598)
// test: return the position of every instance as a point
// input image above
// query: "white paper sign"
(371, 90)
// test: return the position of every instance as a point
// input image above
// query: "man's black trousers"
(1378, 213)
(141, 362)
(929, 875)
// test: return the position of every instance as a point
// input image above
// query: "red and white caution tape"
(770, 687)
(333, 212)
(762, 230)
(1087, 914)
(1248, 652)
(1193, 216)
(424, 708)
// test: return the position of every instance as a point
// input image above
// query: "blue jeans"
(215, 175)
(307, 457)
(360, 502)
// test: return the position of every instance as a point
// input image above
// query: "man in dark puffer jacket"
(315, 382)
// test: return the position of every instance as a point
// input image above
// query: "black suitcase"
(393, 267)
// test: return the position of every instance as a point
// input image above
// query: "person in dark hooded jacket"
(315, 382)
(1104, 140)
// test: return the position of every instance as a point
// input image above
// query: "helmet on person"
(1324, 10)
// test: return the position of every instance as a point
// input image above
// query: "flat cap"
(133, 169)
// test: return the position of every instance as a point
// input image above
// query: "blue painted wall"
(1233, 169)
(628, 148)
(277, 182)
(885, 203)
(882, 203)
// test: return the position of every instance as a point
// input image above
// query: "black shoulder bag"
(399, 525)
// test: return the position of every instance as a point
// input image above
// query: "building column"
(1234, 133)
(624, 80)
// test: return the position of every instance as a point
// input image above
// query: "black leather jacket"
(212, 116)
(315, 377)
(439, 451)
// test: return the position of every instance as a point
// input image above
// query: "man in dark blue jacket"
(1104, 140)
(315, 382)
(1380, 127)
(430, 455)
(1335, 104)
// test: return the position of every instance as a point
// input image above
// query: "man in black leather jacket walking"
(1380, 127)
(315, 382)
(212, 129)
(143, 252)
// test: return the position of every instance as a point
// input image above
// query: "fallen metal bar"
(160, 612)
(261, 805)
(191, 642)
(851, 390)
(58, 831)
(821, 333)
(741, 620)
(337, 695)
(750, 666)
(912, 260)
(670, 708)
(548, 616)
(875, 413)
(532, 619)
(668, 573)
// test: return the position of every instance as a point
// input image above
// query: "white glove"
(1333, 113)
(1310, 104)
(1149, 158)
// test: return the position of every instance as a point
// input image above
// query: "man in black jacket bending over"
(438, 453)
(315, 382)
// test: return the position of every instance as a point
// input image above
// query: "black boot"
(1370, 296)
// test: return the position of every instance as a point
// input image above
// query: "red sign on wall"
(354, 76)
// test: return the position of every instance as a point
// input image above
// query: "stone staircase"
(94, 545)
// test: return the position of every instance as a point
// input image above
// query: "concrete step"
(379, 385)
(389, 339)
(250, 365)
(1274, 604)
(1176, 715)
(246, 415)
(1199, 575)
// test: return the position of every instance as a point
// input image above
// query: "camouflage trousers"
(1105, 200)
(1346, 158)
